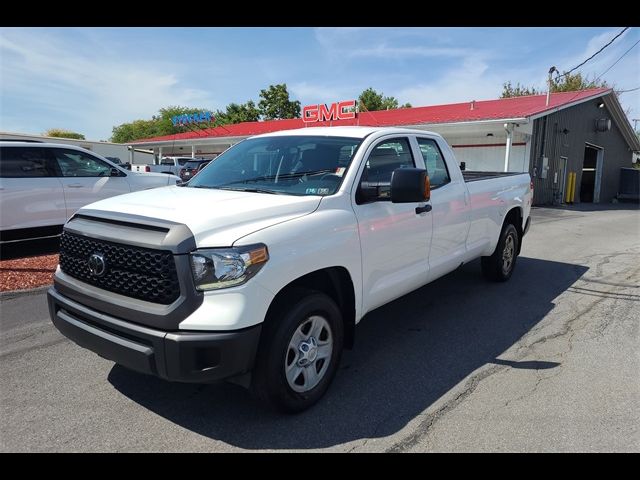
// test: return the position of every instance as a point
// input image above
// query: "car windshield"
(292, 165)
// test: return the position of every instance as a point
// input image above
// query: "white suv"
(43, 184)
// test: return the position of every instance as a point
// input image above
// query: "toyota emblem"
(97, 265)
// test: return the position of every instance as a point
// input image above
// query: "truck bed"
(474, 176)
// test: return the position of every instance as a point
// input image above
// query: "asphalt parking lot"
(549, 361)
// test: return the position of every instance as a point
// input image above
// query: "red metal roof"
(504, 108)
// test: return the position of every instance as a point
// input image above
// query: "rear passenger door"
(450, 210)
(31, 193)
(394, 239)
(86, 179)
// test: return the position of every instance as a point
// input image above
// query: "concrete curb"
(21, 293)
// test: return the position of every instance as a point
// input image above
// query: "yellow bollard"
(567, 193)
(573, 186)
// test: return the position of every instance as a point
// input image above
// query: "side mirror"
(115, 172)
(410, 185)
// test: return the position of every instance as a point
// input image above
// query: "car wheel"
(299, 352)
(499, 266)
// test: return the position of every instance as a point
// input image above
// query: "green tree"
(237, 113)
(159, 125)
(136, 130)
(62, 133)
(571, 83)
(275, 103)
(371, 100)
(566, 82)
(164, 122)
(509, 91)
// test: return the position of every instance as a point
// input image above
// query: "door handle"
(75, 185)
(425, 209)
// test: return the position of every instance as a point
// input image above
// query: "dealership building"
(582, 138)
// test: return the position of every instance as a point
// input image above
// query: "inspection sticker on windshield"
(340, 171)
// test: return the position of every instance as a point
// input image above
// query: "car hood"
(216, 217)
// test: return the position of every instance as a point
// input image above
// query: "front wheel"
(299, 353)
(499, 266)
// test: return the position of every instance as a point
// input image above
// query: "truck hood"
(139, 175)
(217, 218)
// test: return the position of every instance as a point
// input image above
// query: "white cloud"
(388, 43)
(471, 80)
(92, 91)
(309, 93)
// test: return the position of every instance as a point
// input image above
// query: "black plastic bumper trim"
(199, 357)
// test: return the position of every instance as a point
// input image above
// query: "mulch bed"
(25, 273)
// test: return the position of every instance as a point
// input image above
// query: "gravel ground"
(23, 273)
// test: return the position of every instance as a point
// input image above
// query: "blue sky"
(90, 79)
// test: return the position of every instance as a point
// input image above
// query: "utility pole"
(551, 70)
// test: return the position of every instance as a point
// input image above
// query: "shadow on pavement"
(408, 354)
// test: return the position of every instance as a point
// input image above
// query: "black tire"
(269, 382)
(497, 267)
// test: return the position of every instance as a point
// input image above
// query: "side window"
(385, 158)
(73, 163)
(436, 166)
(167, 161)
(25, 162)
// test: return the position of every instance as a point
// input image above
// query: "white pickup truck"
(168, 165)
(258, 270)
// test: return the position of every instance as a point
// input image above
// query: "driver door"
(87, 179)
(394, 237)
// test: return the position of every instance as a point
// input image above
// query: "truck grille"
(136, 272)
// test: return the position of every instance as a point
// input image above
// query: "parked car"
(43, 184)
(191, 168)
(168, 165)
(119, 162)
(259, 268)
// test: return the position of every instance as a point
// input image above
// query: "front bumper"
(200, 357)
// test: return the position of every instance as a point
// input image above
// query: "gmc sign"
(337, 111)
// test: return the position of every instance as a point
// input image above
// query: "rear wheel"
(299, 352)
(499, 266)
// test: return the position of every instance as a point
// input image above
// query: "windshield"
(292, 165)
(192, 165)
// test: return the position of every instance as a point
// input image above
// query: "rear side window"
(74, 163)
(25, 162)
(385, 158)
(436, 166)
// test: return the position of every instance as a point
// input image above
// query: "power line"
(610, 42)
(613, 65)
(621, 57)
(629, 90)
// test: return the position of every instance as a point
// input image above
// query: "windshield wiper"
(282, 175)
(252, 190)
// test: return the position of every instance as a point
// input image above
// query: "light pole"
(551, 70)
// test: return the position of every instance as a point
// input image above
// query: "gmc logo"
(337, 111)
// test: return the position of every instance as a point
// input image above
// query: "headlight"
(216, 268)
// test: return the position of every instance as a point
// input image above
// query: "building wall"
(580, 123)
(486, 154)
